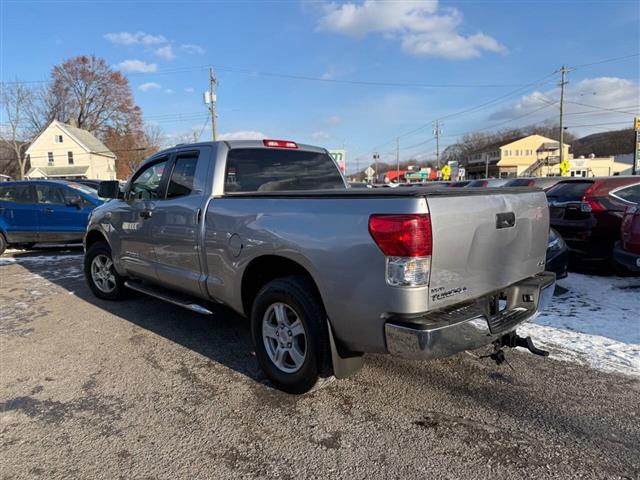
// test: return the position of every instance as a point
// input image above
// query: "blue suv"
(52, 211)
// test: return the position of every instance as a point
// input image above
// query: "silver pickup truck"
(325, 272)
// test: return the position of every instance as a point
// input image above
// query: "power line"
(600, 108)
(607, 60)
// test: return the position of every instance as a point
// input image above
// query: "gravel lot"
(143, 389)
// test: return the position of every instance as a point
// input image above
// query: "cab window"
(182, 176)
(146, 185)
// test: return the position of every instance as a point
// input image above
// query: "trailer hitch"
(513, 340)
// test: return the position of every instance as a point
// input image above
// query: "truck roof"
(243, 144)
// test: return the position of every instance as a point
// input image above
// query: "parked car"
(557, 260)
(5, 178)
(545, 183)
(588, 212)
(460, 184)
(487, 183)
(88, 182)
(627, 251)
(326, 273)
(44, 211)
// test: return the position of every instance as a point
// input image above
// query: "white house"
(64, 151)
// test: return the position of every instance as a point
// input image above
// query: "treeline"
(617, 142)
(85, 92)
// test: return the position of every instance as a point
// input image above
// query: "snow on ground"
(595, 322)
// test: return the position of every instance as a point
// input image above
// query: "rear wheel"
(101, 275)
(3, 244)
(289, 332)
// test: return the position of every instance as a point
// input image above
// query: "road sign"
(564, 168)
(340, 157)
(446, 171)
(369, 172)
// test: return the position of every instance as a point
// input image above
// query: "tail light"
(530, 183)
(590, 202)
(407, 244)
(280, 144)
(484, 183)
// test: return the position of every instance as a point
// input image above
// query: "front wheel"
(101, 275)
(3, 244)
(289, 333)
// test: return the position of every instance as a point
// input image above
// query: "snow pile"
(596, 322)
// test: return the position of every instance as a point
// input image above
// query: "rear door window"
(569, 191)
(16, 194)
(275, 170)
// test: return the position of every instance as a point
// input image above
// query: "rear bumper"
(631, 261)
(469, 326)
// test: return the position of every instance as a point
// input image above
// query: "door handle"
(47, 210)
(146, 213)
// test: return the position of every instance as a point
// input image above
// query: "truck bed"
(382, 192)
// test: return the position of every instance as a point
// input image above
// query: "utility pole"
(437, 132)
(376, 157)
(563, 82)
(212, 102)
(397, 159)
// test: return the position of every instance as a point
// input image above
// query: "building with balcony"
(522, 156)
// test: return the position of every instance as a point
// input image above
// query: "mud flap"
(343, 367)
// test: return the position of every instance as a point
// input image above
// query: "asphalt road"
(143, 389)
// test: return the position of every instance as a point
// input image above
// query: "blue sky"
(484, 49)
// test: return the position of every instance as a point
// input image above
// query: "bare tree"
(14, 98)
(87, 92)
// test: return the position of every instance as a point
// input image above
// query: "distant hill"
(616, 142)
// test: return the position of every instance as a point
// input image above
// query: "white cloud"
(611, 93)
(422, 28)
(189, 90)
(169, 91)
(192, 49)
(165, 52)
(243, 135)
(333, 119)
(145, 87)
(320, 135)
(135, 38)
(137, 66)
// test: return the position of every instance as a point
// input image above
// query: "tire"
(295, 296)
(3, 244)
(112, 287)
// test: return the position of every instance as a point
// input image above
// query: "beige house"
(528, 156)
(64, 151)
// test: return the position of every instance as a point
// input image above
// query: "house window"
(50, 157)
(70, 157)
(57, 139)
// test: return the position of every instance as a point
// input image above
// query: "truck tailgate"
(484, 243)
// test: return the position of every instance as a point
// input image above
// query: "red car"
(627, 250)
(588, 213)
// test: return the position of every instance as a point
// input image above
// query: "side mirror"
(109, 189)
